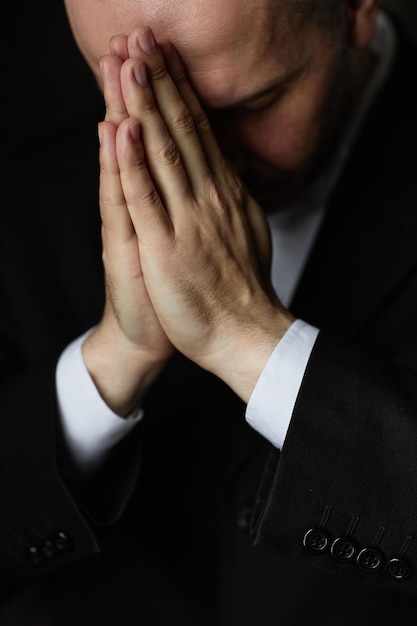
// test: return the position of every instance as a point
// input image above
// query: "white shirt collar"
(294, 229)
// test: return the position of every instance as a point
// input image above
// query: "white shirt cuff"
(272, 401)
(91, 429)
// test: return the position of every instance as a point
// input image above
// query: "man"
(135, 477)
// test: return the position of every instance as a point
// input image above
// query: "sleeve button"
(62, 542)
(48, 549)
(35, 556)
(316, 540)
(243, 518)
(369, 559)
(343, 549)
(398, 569)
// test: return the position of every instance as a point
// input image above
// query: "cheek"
(284, 137)
(291, 132)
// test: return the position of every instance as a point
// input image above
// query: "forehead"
(191, 21)
(224, 43)
(230, 45)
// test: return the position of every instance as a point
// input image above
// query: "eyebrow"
(276, 84)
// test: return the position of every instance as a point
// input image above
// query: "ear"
(362, 19)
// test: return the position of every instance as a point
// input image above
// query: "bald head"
(190, 24)
(194, 26)
(267, 60)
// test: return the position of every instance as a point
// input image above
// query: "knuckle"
(234, 183)
(106, 167)
(184, 120)
(139, 161)
(102, 163)
(169, 154)
(106, 258)
(149, 196)
(148, 104)
(216, 198)
(109, 203)
(201, 120)
(159, 72)
(104, 201)
(180, 78)
(105, 207)
(114, 108)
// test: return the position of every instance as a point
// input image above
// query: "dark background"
(45, 80)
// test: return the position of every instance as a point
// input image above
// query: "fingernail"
(140, 74)
(135, 132)
(100, 133)
(147, 42)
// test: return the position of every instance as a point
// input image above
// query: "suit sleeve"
(51, 290)
(46, 522)
(41, 526)
(341, 495)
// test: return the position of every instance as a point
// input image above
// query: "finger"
(110, 65)
(117, 225)
(219, 164)
(171, 106)
(179, 76)
(164, 158)
(144, 204)
(118, 46)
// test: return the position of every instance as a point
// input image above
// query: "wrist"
(121, 372)
(243, 353)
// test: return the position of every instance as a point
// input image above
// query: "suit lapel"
(368, 241)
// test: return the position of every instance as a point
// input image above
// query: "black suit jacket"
(196, 519)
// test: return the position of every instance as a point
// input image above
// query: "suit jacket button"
(62, 542)
(35, 556)
(243, 518)
(343, 549)
(369, 559)
(316, 540)
(398, 569)
(48, 549)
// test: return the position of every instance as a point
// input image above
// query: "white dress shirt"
(91, 429)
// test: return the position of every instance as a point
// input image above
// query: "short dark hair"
(326, 13)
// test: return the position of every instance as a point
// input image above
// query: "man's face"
(275, 88)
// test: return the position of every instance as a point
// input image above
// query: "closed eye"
(262, 103)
